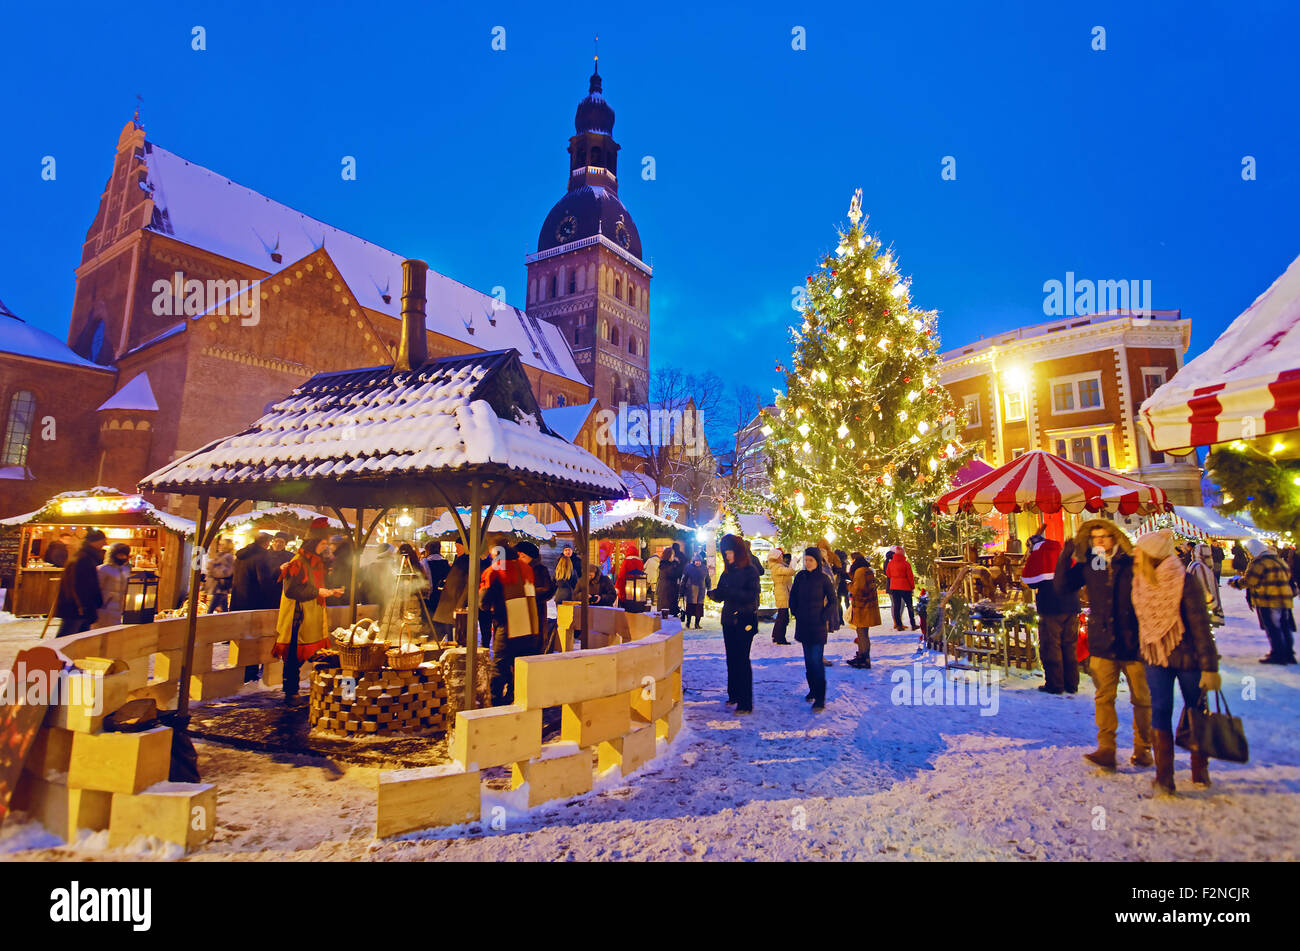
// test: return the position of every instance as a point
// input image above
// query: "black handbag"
(1218, 735)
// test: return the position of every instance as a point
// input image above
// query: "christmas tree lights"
(865, 436)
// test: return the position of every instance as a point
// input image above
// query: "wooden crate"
(412, 799)
(183, 813)
(496, 736)
(120, 762)
(560, 771)
(593, 721)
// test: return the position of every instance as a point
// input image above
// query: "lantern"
(141, 602)
(636, 591)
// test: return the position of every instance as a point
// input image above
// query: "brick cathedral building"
(199, 302)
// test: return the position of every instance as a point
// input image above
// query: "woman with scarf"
(302, 627)
(864, 612)
(738, 590)
(113, 575)
(1176, 643)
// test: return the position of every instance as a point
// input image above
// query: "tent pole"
(192, 615)
(471, 586)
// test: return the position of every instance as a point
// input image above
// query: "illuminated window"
(1015, 406)
(1077, 393)
(18, 430)
(972, 407)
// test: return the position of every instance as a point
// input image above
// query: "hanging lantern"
(636, 591)
(141, 601)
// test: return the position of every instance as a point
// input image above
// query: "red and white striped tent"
(1041, 482)
(1247, 385)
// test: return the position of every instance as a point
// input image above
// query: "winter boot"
(1141, 758)
(1103, 757)
(1200, 769)
(1163, 784)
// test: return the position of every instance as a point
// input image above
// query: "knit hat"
(529, 549)
(813, 552)
(1157, 545)
(95, 535)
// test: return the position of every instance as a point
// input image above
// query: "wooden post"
(358, 539)
(471, 589)
(192, 615)
(583, 542)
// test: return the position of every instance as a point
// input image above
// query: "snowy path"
(866, 779)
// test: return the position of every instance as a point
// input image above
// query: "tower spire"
(594, 85)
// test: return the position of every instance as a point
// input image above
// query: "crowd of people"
(1151, 609)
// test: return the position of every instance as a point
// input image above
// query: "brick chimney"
(413, 347)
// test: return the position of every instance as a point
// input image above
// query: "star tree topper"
(855, 207)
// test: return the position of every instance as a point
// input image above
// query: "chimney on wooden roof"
(413, 347)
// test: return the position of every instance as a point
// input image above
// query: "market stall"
(1036, 482)
(627, 520)
(157, 540)
(436, 433)
(1245, 386)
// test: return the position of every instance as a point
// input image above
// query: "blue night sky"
(1122, 164)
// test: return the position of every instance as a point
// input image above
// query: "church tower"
(587, 276)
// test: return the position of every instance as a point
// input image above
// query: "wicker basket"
(366, 656)
(404, 660)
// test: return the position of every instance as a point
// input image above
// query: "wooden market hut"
(441, 433)
(157, 539)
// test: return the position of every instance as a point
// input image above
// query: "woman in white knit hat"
(1177, 646)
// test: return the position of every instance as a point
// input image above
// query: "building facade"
(215, 301)
(1072, 387)
(588, 277)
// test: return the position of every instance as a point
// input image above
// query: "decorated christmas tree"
(865, 436)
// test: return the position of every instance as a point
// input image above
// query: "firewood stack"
(378, 702)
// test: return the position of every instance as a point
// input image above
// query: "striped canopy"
(1041, 482)
(1247, 385)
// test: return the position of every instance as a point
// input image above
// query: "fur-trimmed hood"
(737, 544)
(1083, 543)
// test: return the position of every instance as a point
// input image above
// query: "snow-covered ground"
(868, 778)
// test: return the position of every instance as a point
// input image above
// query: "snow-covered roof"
(523, 524)
(19, 337)
(201, 208)
(281, 511)
(756, 525)
(1246, 385)
(567, 421)
(135, 395)
(174, 523)
(356, 426)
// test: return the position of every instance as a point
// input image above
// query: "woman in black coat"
(738, 590)
(668, 585)
(813, 602)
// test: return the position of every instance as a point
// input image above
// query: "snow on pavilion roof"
(446, 417)
(207, 210)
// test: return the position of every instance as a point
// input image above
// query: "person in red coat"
(902, 582)
(631, 562)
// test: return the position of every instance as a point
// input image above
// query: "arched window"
(604, 330)
(553, 292)
(613, 336)
(576, 332)
(18, 428)
(631, 293)
(573, 283)
(631, 345)
(618, 289)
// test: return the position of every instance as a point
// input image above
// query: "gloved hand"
(1210, 680)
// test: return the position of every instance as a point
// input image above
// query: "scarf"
(1157, 603)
